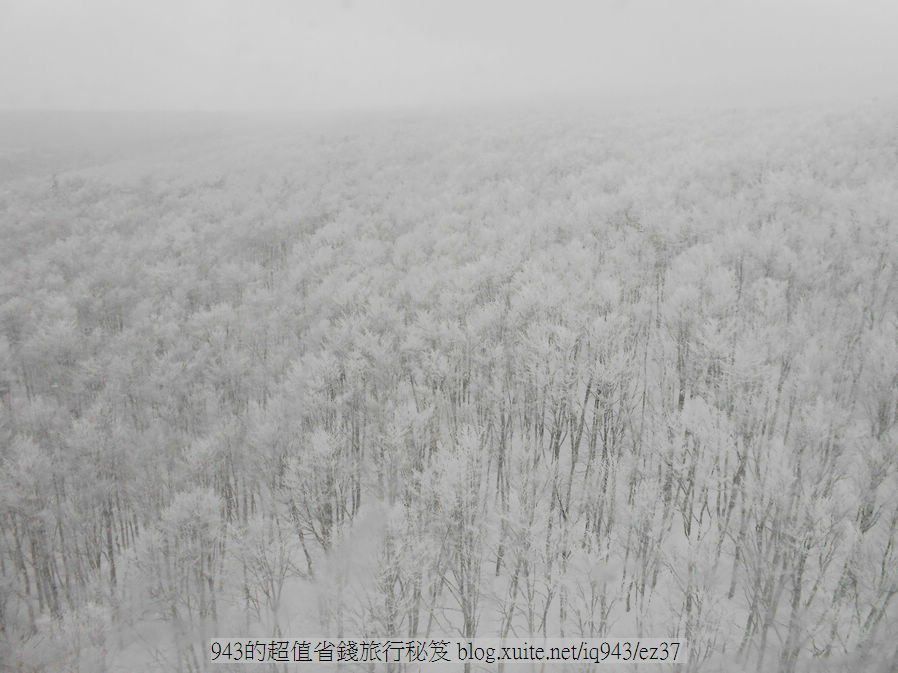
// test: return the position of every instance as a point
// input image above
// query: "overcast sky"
(326, 54)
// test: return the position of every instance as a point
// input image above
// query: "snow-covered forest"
(533, 373)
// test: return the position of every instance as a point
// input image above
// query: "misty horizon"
(316, 56)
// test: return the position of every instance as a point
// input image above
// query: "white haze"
(326, 54)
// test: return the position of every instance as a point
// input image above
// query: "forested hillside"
(487, 375)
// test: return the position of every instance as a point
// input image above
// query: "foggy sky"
(327, 54)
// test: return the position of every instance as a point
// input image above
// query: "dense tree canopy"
(530, 375)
